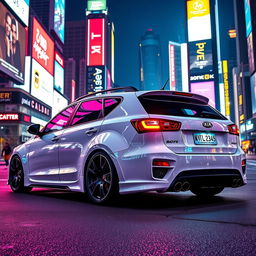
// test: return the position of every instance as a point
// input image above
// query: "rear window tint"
(162, 106)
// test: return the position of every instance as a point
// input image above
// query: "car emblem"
(207, 124)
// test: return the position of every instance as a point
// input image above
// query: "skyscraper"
(150, 61)
(75, 35)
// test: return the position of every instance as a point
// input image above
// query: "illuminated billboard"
(226, 87)
(206, 89)
(41, 83)
(42, 47)
(59, 73)
(251, 55)
(253, 94)
(59, 18)
(59, 102)
(12, 46)
(200, 56)
(172, 74)
(199, 20)
(96, 79)
(96, 43)
(96, 5)
(58, 77)
(248, 17)
(21, 9)
(26, 85)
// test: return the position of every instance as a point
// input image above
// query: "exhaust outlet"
(185, 186)
(177, 187)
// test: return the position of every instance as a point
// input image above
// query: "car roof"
(125, 91)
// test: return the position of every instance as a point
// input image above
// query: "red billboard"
(96, 42)
(42, 47)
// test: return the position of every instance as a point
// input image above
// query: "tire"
(206, 192)
(101, 181)
(16, 179)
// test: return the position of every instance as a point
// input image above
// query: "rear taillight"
(155, 125)
(243, 165)
(233, 129)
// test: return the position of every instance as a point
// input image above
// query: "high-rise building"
(178, 66)
(99, 47)
(74, 53)
(150, 61)
(245, 72)
(226, 50)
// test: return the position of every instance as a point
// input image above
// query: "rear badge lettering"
(172, 141)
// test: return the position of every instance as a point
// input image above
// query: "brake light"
(183, 94)
(155, 125)
(161, 163)
(233, 129)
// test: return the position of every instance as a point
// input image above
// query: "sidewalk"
(251, 157)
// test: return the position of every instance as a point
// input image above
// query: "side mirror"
(34, 129)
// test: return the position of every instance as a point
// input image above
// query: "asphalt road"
(50, 222)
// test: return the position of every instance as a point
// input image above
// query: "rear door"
(76, 139)
(203, 129)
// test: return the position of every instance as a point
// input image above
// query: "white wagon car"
(128, 141)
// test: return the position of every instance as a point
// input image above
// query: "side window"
(60, 121)
(110, 104)
(88, 111)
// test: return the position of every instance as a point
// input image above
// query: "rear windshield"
(162, 106)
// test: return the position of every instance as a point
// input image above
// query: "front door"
(44, 150)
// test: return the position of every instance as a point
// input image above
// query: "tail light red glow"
(183, 94)
(161, 163)
(155, 125)
(233, 129)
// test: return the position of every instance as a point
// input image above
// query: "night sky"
(131, 19)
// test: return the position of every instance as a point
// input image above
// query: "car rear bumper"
(198, 170)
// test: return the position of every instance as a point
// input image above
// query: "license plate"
(205, 139)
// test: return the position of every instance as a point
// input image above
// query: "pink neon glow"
(88, 111)
(205, 89)
(108, 80)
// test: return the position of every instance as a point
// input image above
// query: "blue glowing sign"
(59, 18)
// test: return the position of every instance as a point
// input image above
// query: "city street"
(51, 222)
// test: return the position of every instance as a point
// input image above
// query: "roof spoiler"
(181, 95)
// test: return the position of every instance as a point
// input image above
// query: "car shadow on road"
(151, 200)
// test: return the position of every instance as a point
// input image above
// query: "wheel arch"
(109, 153)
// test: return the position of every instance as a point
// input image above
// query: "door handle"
(91, 131)
(55, 138)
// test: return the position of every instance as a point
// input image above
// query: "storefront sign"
(16, 97)
(9, 117)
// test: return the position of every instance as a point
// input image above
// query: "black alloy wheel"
(101, 182)
(206, 192)
(16, 179)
